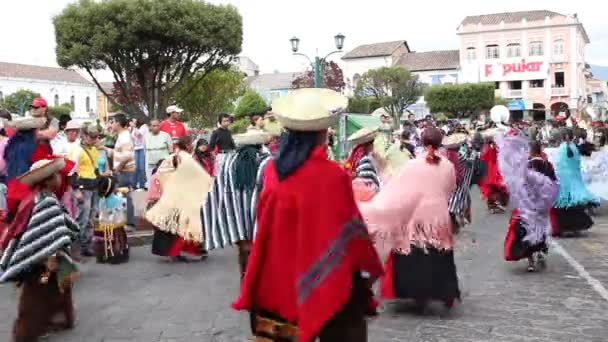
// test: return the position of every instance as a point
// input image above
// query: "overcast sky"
(27, 33)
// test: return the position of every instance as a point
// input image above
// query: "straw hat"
(252, 137)
(454, 139)
(42, 170)
(25, 124)
(309, 109)
(362, 136)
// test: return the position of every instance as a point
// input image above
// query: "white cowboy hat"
(25, 124)
(500, 114)
(363, 135)
(252, 137)
(454, 139)
(72, 125)
(309, 109)
(174, 109)
(42, 170)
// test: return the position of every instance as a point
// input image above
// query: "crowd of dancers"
(310, 231)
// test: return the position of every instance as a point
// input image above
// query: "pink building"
(535, 58)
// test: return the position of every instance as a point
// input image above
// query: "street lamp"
(318, 64)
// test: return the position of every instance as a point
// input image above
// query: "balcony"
(559, 91)
(515, 93)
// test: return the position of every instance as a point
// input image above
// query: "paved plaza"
(148, 300)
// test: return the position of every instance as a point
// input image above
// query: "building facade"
(56, 85)
(273, 85)
(370, 56)
(536, 59)
(246, 66)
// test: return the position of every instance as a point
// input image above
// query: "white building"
(56, 85)
(370, 56)
(247, 66)
(271, 86)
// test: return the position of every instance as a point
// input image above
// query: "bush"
(362, 105)
(251, 103)
(240, 125)
(58, 111)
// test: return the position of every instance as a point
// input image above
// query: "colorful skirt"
(170, 245)
(571, 219)
(110, 244)
(515, 248)
(422, 275)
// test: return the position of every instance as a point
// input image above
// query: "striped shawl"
(50, 231)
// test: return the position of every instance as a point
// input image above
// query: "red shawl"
(492, 180)
(307, 246)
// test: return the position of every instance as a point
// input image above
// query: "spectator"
(158, 147)
(123, 158)
(67, 139)
(86, 157)
(138, 134)
(172, 125)
(257, 122)
(271, 125)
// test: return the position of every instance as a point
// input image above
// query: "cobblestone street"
(148, 300)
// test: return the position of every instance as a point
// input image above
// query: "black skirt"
(162, 242)
(425, 275)
(572, 219)
(515, 246)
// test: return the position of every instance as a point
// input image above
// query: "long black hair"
(294, 148)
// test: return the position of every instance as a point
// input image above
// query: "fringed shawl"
(532, 193)
(572, 189)
(184, 191)
(412, 209)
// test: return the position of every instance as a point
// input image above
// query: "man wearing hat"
(239, 188)
(36, 253)
(309, 225)
(172, 125)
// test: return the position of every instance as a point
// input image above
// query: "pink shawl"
(412, 209)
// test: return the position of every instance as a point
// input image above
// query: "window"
(496, 85)
(73, 102)
(88, 104)
(515, 85)
(558, 47)
(513, 50)
(560, 80)
(56, 101)
(537, 84)
(536, 49)
(471, 54)
(492, 52)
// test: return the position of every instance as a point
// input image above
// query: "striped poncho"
(49, 231)
(469, 166)
(229, 214)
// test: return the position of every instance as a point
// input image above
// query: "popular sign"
(514, 71)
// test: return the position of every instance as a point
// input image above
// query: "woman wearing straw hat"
(306, 212)
(239, 183)
(363, 165)
(36, 253)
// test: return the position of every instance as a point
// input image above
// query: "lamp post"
(318, 63)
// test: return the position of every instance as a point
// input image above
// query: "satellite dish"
(499, 114)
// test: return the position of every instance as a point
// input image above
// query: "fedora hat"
(25, 124)
(42, 170)
(309, 109)
(363, 135)
(454, 139)
(252, 137)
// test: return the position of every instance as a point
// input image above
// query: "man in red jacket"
(317, 239)
(172, 125)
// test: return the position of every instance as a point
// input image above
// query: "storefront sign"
(517, 105)
(514, 70)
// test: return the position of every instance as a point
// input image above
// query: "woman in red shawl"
(327, 259)
(492, 187)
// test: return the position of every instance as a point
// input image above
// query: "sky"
(27, 35)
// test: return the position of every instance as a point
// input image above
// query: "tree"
(20, 101)
(460, 100)
(214, 94)
(363, 105)
(57, 111)
(251, 103)
(331, 78)
(500, 101)
(151, 47)
(394, 87)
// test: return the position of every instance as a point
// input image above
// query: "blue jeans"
(140, 169)
(125, 179)
(86, 211)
